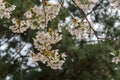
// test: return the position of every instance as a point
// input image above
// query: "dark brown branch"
(44, 10)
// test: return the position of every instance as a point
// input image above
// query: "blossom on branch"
(46, 55)
(50, 57)
(5, 12)
(36, 18)
(85, 4)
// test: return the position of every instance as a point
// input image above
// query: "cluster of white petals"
(18, 26)
(44, 39)
(5, 12)
(43, 14)
(115, 3)
(115, 59)
(78, 29)
(50, 57)
(36, 18)
(46, 55)
(85, 4)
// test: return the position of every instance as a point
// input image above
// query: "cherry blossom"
(5, 12)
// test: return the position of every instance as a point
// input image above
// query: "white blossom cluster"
(85, 4)
(115, 3)
(18, 26)
(5, 12)
(52, 58)
(46, 55)
(45, 39)
(78, 29)
(115, 59)
(36, 18)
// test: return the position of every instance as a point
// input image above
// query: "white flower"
(63, 55)
(116, 60)
(13, 7)
(18, 26)
(2, 6)
(36, 9)
(38, 57)
(7, 15)
(85, 4)
(52, 59)
(113, 54)
(115, 4)
(28, 14)
(42, 43)
(5, 12)
(9, 9)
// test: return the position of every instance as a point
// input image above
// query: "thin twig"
(44, 10)
(21, 75)
(61, 3)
